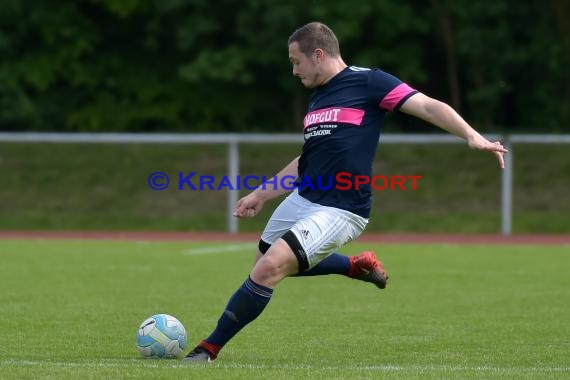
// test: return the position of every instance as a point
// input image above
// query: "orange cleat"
(366, 267)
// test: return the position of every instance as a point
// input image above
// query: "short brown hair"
(315, 35)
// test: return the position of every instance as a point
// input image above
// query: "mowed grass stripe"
(70, 309)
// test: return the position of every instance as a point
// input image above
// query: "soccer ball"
(162, 336)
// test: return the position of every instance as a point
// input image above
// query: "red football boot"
(368, 268)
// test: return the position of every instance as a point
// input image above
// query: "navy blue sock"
(333, 264)
(244, 306)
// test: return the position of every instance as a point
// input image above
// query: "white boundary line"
(221, 249)
(111, 363)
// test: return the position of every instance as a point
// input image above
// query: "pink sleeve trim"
(394, 97)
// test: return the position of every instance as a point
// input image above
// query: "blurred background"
(199, 66)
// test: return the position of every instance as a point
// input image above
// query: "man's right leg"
(249, 301)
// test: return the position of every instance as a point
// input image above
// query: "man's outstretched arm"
(442, 115)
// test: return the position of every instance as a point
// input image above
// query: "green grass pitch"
(70, 309)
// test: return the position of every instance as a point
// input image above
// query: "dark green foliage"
(197, 65)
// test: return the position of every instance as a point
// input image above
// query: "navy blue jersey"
(342, 128)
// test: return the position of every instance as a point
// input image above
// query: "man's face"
(304, 67)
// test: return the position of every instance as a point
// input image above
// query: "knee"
(278, 263)
(271, 266)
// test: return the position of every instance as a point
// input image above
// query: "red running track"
(375, 238)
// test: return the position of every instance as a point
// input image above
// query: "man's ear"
(319, 55)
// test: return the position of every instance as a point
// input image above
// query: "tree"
(199, 65)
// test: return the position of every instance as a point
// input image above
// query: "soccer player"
(342, 127)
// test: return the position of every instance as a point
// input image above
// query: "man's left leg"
(365, 267)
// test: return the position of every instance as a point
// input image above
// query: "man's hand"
(480, 143)
(248, 206)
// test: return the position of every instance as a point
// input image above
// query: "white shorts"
(319, 229)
